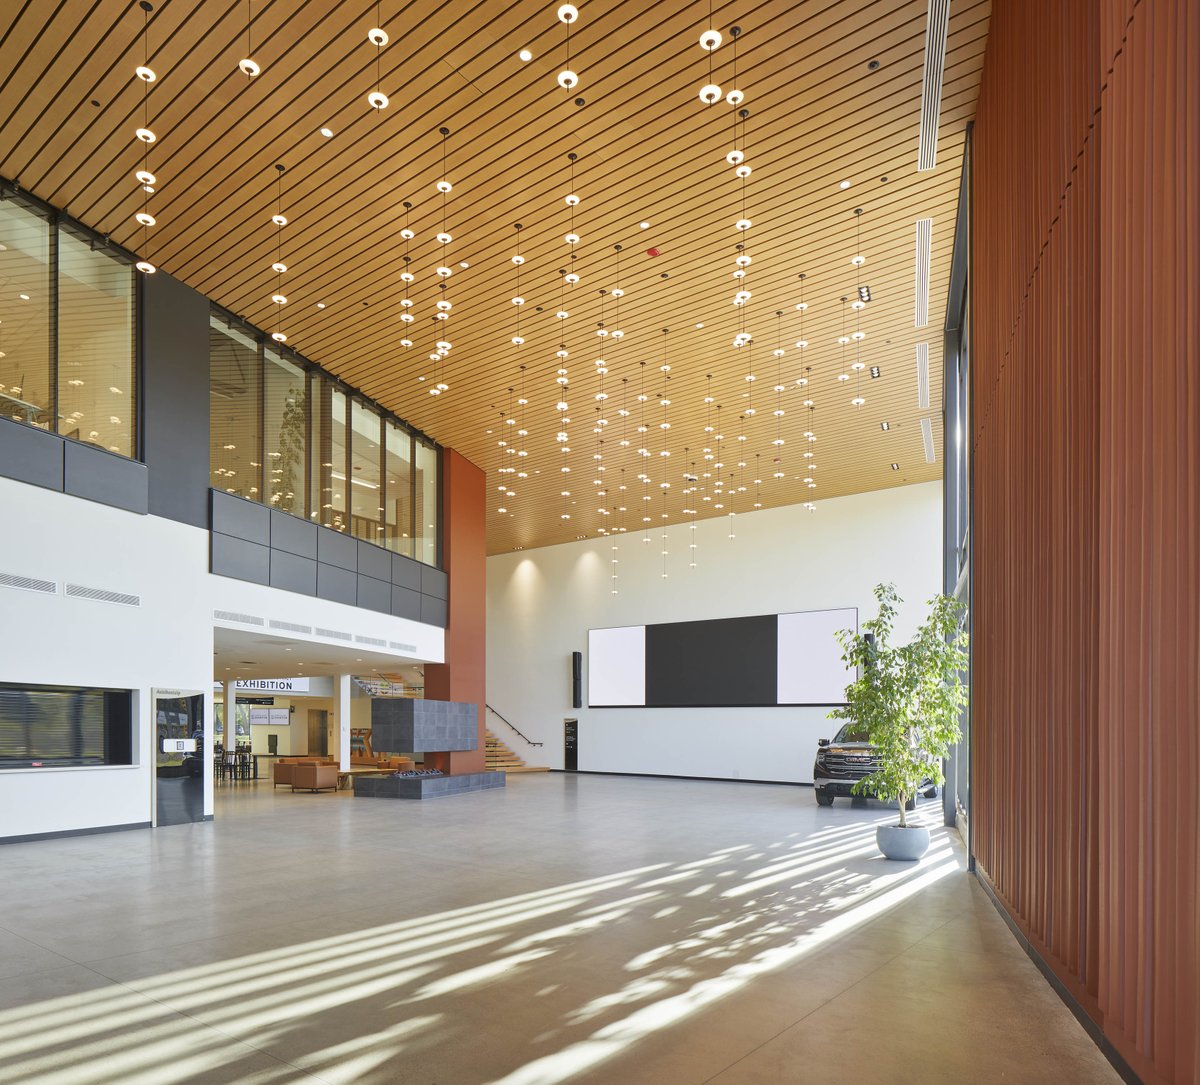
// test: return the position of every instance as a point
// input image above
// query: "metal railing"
(528, 740)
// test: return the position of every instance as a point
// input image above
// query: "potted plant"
(907, 699)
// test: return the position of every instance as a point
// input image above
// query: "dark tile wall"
(408, 725)
(73, 467)
(252, 542)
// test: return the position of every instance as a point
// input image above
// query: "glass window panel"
(286, 399)
(339, 447)
(96, 393)
(235, 384)
(49, 725)
(366, 457)
(320, 492)
(25, 328)
(427, 503)
(397, 483)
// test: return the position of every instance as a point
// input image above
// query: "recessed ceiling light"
(23, 297)
(525, 55)
(320, 305)
(464, 265)
(327, 133)
(844, 185)
(644, 225)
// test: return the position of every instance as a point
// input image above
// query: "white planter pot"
(907, 844)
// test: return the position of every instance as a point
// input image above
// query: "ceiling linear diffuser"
(923, 376)
(927, 439)
(923, 256)
(936, 26)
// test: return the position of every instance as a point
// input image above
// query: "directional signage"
(272, 685)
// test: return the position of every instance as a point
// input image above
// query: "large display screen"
(762, 660)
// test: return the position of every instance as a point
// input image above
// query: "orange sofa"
(314, 776)
(285, 767)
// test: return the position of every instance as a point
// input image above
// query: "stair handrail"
(529, 741)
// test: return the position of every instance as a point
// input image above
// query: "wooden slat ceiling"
(647, 151)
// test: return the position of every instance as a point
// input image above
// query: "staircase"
(501, 759)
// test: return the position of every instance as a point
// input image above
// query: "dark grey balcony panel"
(434, 582)
(334, 548)
(102, 476)
(240, 518)
(240, 559)
(406, 572)
(374, 594)
(31, 455)
(406, 603)
(293, 573)
(374, 561)
(337, 585)
(407, 725)
(434, 611)
(293, 534)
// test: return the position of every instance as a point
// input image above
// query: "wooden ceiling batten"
(648, 150)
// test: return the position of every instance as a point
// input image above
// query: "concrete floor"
(581, 929)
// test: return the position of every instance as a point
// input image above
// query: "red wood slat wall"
(1086, 298)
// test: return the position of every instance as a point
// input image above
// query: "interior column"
(342, 693)
(464, 557)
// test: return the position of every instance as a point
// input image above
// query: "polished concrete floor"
(565, 929)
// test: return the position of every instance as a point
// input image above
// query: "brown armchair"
(314, 776)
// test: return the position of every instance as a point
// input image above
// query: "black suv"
(843, 762)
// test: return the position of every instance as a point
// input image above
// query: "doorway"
(318, 732)
(178, 756)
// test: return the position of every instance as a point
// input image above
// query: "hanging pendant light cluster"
(442, 347)
(802, 343)
(146, 137)
(378, 37)
(407, 276)
(279, 267)
(568, 14)
(247, 65)
(858, 304)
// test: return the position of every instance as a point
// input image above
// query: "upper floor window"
(66, 332)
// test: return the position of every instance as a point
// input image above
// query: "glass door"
(179, 752)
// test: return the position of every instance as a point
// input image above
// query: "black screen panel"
(726, 662)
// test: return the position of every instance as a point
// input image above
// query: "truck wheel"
(823, 798)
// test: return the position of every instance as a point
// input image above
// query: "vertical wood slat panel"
(1086, 713)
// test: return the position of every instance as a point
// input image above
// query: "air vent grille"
(936, 26)
(379, 642)
(403, 647)
(233, 616)
(924, 245)
(28, 583)
(923, 376)
(927, 438)
(332, 634)
(290, 626)
(103, 595)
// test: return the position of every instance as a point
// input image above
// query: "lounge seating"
(285, 767)
(314, 776)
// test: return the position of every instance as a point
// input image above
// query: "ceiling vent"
(233, 616)
(924, 245)
(379, 642)
(927, 438)
(332, 634)
(923, 376)
(936, 26)
(103, 595)
(28, 583)
(403, 647)
(292, 627)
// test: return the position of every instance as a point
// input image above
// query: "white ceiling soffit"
(923, 376)
(927, 438)
(931, 81)
(924, 245)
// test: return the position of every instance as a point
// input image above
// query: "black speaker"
(576, 679)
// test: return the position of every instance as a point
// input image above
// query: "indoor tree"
(906, 698)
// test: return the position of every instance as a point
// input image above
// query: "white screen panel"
(617, 666)
(810, 659)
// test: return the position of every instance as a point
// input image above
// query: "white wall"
(165, 642)
(542, 602)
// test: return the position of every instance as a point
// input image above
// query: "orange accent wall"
(464, 555)
(1086, 540)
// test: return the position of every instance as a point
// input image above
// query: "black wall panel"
(374, 561)
(334, 548)
(174, 398)
(240, 559)
(338, 585)
(406, 603)
(32, 455)
(294, 535)
(434, 582)
(241, 519)
(102, 476)
(293, 573)
(374, 594)
(729, 661)
(406, 572)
